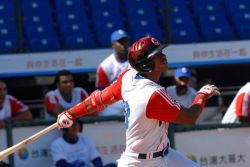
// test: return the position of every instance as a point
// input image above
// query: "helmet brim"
(156, 50)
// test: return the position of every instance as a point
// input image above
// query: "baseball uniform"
(54, 97)
(107, 72)
(11, 107)
(149, 109)
(240, 106)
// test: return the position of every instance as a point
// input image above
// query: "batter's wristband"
(201, 101)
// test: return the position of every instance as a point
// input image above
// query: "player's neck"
(153, 76)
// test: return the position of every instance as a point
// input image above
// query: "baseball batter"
(239, 109)
(149, 108)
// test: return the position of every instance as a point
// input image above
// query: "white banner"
(208, 53)
(36, 153)
(87, 60)
(216, 148)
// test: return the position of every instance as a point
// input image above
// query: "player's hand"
(209, 91)
(64, 120)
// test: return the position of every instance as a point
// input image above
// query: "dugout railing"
(173, 129)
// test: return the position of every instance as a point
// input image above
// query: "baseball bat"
(5, 153)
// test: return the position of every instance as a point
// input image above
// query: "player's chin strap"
(97, 101)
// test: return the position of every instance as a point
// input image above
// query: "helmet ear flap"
(146, 65)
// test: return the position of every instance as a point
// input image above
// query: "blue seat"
(71, 29)
(242, 18)
(8, 32)
(243, 31)
(143, 27)
(182, 21)
(104, 5)
(69, 5)
(218, 33)
(212, 20)
(37, 19)
(105, 28)
(8, 45)
(106, 19)
(139, 4)
(35, 6)
(80, 41)
(7, 8)
(237, 6)
(44, 44)
(72, 17)
(39, 31)
(207, 6)
(184, 35)
(241, 22)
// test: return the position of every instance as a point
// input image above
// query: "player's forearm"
(190, 115)
(23, 116)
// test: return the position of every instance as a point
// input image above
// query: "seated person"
(75, 150)
(64, 96)
(11, 108)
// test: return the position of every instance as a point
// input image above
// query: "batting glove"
(64, 120)
(209, 91)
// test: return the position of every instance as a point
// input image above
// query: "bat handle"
(5, 153)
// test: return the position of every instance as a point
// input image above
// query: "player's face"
(161, 62)
(66, 84)
(121, 48)
(3, 90)
(73, 130)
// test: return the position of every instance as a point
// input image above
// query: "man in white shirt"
(111, 67)
(181, 91)
(64, 96)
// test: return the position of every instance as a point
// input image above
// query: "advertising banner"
(28, 64)
(216, 148)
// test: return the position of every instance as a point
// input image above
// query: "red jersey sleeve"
(84, 95)
(113, 92)
(17, 106)
(50, 103)
(162, 107)
(102, 80)
(242, 105)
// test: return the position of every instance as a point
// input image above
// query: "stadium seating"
(74, 25)
(143, 19)
(106, 17)
(38, 26)
(218, 33)
(83, 24)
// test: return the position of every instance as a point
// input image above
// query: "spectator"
(110, 68)
(181, 91)
(10, 107)
(239, 109)
(75, 150)
(64, 96)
